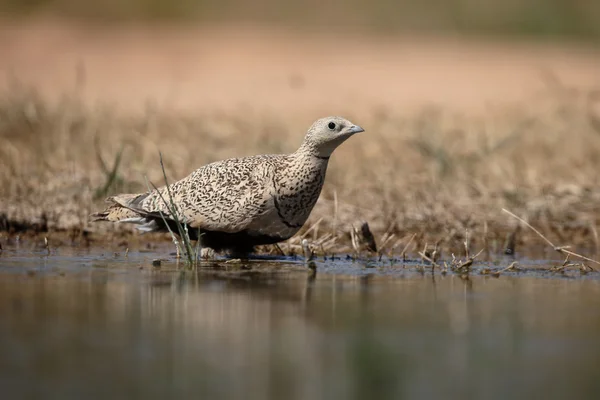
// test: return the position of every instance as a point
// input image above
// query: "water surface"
(96, 324)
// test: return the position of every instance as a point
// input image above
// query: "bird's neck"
(309, 155)
(323, 149)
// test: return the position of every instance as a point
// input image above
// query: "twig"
(468, 262)
(408, 244)
(511, 267)
(563, 250)
(312, 227)
(530, 227)
(427, 258)
(384, 242)
(279, 249)
(354, 240)
(560, 249)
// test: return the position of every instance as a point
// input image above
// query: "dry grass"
(419, 180)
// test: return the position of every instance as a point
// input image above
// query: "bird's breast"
(295, 195)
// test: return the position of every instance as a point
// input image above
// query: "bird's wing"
(225, 196)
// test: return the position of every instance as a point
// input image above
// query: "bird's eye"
(331, 125)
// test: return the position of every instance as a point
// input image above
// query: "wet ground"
(99, 324)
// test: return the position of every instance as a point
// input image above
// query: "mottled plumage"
(239, 203)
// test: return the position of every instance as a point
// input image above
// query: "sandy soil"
(264, 70)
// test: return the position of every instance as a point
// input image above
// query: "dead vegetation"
(420, 181)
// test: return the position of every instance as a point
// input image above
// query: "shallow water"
(95, 324)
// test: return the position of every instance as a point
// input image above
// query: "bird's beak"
(355, 129)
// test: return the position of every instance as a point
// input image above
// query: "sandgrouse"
(240, 203)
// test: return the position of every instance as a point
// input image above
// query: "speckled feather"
(242, 202)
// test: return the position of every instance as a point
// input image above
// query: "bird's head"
(326, 134)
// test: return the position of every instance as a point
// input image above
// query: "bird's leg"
(242, 253)
(207, 253)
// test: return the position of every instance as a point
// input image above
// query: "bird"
(237, 204)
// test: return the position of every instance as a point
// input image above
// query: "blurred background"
(542, 19)
(351, 57)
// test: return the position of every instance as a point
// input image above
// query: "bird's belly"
(271, 224)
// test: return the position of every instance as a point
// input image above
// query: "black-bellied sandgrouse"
(240, 203)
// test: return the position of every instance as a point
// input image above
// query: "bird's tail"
(99, 216)
(116, 212)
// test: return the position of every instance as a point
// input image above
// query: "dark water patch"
(395, 268)
(36, 259)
